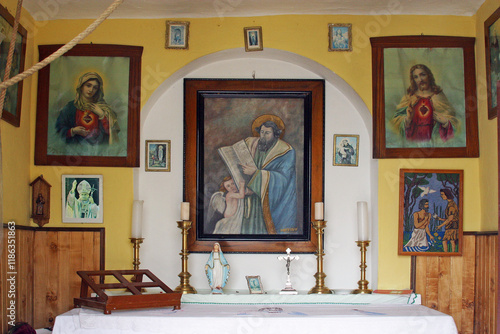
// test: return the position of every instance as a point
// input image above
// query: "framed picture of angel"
(253, 164)
(430, 212)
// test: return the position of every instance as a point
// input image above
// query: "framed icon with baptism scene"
(430, 212)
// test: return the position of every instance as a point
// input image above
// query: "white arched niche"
(345, 113)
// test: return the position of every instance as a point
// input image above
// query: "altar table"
(265, 314)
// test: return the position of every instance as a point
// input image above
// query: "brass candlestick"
(363, 283)
(137, 244)
(320, 287)
(184, 287)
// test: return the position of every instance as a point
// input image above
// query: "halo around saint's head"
(264, 118)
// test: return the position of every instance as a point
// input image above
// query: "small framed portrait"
(157, 155)
(253, 39)
(177, 35)
(82, 199)
(339, 37)
(346, 150)
(254, 284)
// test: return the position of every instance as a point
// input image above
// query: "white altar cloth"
(262, 319)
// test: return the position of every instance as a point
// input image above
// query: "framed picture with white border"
(254, 284)
(82, 199)
(157, 155)
(253, 39)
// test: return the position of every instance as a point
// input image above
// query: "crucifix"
(288, 290)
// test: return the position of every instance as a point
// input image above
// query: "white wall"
(345, 113)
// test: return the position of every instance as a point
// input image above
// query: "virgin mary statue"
(217, 269)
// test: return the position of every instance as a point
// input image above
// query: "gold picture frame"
(346, 150)
(254, 285)
(253, 39)
(339, 37)
(177, 35)
(157, 155)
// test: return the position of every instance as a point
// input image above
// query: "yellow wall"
(488, 162)
(301, 34)
(16, 144)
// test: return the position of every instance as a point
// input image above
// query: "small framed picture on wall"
(157, 155)
(177, 35)
(253, 39)
(346, 150)
(82, 199)
(339, 37)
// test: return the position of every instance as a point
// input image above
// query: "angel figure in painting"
(88, 118)
(217, 269)
(227, 206)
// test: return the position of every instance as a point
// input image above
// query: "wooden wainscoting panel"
(486, 294)
(24, 262)
(462, 286)
(63, 253)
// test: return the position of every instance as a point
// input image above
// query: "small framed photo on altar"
(157, 155)
(254, 285)
(82, 199)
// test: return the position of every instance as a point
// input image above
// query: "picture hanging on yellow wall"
(12, 103)
(339, 37)
(424, 97)
(430, 212)
(88, 106)
(177, 35)
(492, 41)
(253, 39)
(82, 199)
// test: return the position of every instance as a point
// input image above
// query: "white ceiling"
(77, 9)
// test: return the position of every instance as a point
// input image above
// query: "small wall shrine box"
(40, 201)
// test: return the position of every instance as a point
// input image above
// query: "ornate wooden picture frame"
(104, 131)
(492, 52)
(431, 212)
(436, 118)
(283, 173)
(13, 98)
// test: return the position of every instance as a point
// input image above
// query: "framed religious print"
(82, 199)
(424, 97)
(492, 41)
(177, 35)
(88, 107)
(431, 212)
(253, 163)
(157, 155)
(12, 104)
(339, 37)
(346, 150)
(253, 39)
(254, 285)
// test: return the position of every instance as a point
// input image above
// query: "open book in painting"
(234, 156)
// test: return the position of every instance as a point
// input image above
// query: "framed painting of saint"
(424, 97)
(254, 163)
(88, 107)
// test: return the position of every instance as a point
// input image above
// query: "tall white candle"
(363, 223)
(318, 211)
(185, 211)
(137, 219)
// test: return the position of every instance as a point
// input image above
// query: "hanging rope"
(10, 54)
(63, 49)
